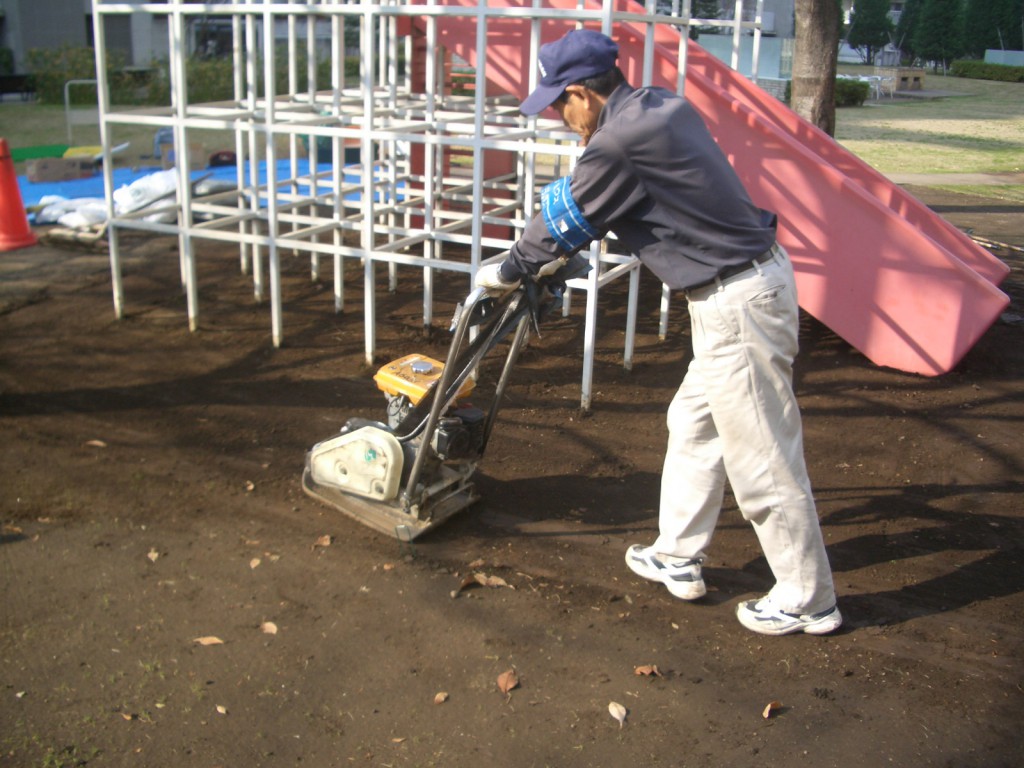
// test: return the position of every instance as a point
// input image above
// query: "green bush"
(213, 79)
(51, 69)
(208, 79)
(849, 93)
(6, 61)
(980, 70)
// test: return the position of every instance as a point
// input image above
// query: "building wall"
(29, 24)
(143, 37)
(43, 24)
(777, 15)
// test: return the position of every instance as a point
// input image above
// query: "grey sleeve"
(604, 188)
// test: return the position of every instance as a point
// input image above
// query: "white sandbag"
(145, 191)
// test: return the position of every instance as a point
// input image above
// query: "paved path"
(957, 179)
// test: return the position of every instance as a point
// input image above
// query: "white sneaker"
(680, 576)
(762, 616)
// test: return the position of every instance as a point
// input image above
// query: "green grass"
(978, 129)
(32, 125)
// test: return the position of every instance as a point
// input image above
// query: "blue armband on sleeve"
(563, 217)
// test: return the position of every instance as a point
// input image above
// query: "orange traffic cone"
(14, 230)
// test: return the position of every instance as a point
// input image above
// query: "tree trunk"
(815, 54)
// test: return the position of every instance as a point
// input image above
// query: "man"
(652, 173)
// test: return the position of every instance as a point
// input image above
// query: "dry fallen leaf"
(771, 708)
(478, 563)
(617, 711)
(508, 680)
(268, 628)
(489, 581)
(250, 485)
(441, 697)
(481, 579)
(209, 640)
(254, 563)
(323, 541)
(222, 709)
(398, 740)
(96, 444)
(648, 669)
(153, 555)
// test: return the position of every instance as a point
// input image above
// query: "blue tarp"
(33, 192)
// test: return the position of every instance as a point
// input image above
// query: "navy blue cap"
(580, 54)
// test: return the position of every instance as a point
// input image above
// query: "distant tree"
(699, 9)
(992, 24)
(939, 34)
(1012, 24)
(704, 9)
(815, 54)
(906, 27)
(980, 28)
(870, 27)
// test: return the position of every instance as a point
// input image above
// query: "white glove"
(488, 277)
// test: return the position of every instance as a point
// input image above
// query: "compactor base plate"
(389, 517)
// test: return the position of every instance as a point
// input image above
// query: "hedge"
(980, 70)
(849, 93)
(208, 79)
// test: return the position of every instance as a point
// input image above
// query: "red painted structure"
(875, 265)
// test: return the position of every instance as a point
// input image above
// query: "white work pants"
(735, 417)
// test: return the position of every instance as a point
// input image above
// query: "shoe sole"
(684, 590)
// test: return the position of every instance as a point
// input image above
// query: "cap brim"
(542, 97)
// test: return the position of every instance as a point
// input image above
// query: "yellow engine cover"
(412, 376)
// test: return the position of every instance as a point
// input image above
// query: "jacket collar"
(615, 101)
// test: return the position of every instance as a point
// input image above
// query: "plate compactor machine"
(408, 475)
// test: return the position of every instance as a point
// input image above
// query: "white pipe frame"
(393, 216)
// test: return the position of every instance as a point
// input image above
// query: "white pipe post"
(270, 91)
(737, 21)
(237, 57)
(666, 297)
(590, 328)
(684, 49)
(755, 54)
(368, 57)
(338, 152)
(251, 71)
(430, 150)
(480, 89)
(648, 70)
(312, 59)
(631, 310)
(182, 159)
(389, 157)
(116, 278)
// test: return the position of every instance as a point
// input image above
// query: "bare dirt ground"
(151, 497)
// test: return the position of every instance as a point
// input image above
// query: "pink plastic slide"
(875, 265)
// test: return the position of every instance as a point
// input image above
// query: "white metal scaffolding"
(402, 162)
